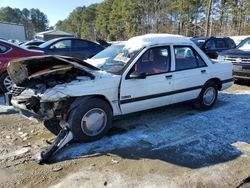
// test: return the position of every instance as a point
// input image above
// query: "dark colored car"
(213, 45)
(69, 46)
(8, 52)
(240, 57)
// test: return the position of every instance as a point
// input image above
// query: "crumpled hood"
(23, 70)
(103, 82)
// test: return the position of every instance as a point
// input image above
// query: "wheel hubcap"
(7, 82)
(94, 121)
(209, 96)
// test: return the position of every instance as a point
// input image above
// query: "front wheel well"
(78, 100)
(217, 81)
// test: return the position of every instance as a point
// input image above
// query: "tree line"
(121, 19)
(33, 19)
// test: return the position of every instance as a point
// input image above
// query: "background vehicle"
(238, 39)
(8, 52)
(32, 43)
(125, 78)
(240, 57)
(213, 45)
(69, 46)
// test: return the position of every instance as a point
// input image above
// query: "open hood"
(34, 70)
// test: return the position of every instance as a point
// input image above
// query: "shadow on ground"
(180, 135)
(243, 82)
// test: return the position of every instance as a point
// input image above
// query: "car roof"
(200, 38)
(49, 42)
(206, 38)
(147, 40)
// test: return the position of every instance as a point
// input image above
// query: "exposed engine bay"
(33, 76)
(47, 70)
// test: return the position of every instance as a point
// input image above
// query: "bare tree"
(209, 12)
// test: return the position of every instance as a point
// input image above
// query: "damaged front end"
(34, 76)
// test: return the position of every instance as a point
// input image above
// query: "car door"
(62, 47)
(81, 49)
(148, 83)
(191, 72)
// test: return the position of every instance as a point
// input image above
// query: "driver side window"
(153, 61)
(62, 44)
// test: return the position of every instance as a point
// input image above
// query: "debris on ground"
(177, 146)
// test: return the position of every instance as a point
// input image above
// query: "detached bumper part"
(7, 98)
(64, 137)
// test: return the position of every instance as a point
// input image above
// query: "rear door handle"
(203, 71)
(169, 76)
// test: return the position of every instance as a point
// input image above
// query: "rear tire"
(208, 96)
(91, 120)
(5, 82)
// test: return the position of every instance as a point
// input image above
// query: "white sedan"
(142, 73)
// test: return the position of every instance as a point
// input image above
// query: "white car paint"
(116, 88)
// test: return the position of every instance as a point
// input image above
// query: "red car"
(8, 52)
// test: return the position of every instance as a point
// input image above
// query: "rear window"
(4, 49)
(230, 43)
(210, 44)
(220, 44)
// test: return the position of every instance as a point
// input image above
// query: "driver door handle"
(203, 71)
(169, 76)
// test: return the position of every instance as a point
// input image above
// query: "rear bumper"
(241, 71)
(7, 98)
(227, 83)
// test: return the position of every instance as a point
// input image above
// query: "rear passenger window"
(3, 49)
(230, 43)
(210, 44)
(187, 58)
(81, 44)
(220, 44)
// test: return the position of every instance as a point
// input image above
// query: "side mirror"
(137, 75)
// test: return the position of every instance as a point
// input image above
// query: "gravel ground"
(175, 146)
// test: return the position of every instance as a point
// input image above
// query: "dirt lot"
(177, 146)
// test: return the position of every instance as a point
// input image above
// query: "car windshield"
(244, 45)
(113, 59)
(199, 42)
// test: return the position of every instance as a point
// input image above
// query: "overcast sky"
(54, 9)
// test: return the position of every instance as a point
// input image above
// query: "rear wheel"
(91, 120)
(5, 82)
(208, 95)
